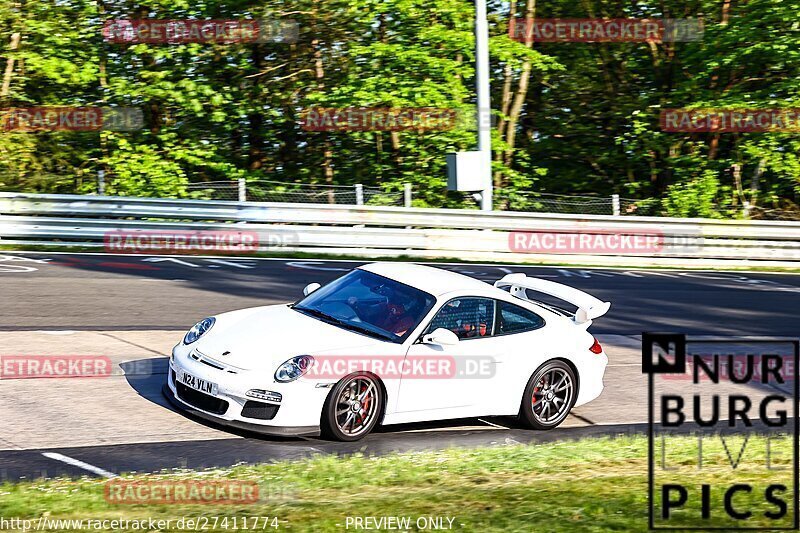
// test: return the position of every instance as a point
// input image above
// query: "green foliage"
(695, 198)
(589, 121)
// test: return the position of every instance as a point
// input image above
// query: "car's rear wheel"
(549, 395)
(353, 408)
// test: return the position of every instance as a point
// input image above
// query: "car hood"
(265, 337)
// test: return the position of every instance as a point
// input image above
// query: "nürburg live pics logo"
(722, 432)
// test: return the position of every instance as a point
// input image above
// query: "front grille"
(204, 402)
(259, 410)
(212, 365)
(206, 360)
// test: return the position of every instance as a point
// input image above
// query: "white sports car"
(391, 343)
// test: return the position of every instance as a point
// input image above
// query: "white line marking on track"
(454, 428)
(230, 263)
(80, 464)
(314, 265)
(172, 259)
(491, 424)
(22, 258)
(17, 269)
(657, 273)
(495, 265)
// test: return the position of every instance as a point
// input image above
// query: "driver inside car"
(465, 320)
(390, 314)
(397, 319)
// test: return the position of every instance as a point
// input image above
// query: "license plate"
(198, 384)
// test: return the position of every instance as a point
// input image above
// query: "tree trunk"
(327, 151)
(15, 38)
(255, 155)
(754, 181)
(522, 88)
(505, 99)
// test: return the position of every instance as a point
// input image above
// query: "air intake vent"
(259, 410)
(204, 402)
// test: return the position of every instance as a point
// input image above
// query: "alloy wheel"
(356, 406)
(552, 396)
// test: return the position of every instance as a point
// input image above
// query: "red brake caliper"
(365, 405)
(536, 389)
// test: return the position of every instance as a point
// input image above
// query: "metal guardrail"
(371, 231)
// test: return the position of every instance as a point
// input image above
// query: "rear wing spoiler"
(589, 307)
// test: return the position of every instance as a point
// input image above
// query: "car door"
(522, 339)
(453, 386)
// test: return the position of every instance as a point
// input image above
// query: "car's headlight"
(293, 368)
(198, 330)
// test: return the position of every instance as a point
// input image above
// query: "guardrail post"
(242, 190)
(101, 182)
(407, 194)
(359, 194)
(615, 205)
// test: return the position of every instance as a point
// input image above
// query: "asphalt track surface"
(104, 292)
(81, 302)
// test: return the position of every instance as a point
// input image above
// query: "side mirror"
(440, 336)
(311, 287)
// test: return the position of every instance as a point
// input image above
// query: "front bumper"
(291, 431)
(296, 414)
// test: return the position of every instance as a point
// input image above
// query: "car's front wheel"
(549, 395)
(353, 408)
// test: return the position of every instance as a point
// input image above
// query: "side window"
(466, 317)
(515, 319)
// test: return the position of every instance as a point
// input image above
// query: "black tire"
(549, 396)
(347, 418)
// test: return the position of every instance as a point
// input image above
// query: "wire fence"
(763, 213)
(649, 207)
(576, 204)
(554, 203)
(214, 190)
(275, 191)
(504, 200)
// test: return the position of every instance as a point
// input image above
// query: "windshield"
(370, 304)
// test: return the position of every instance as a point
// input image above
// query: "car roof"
(435, 281)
